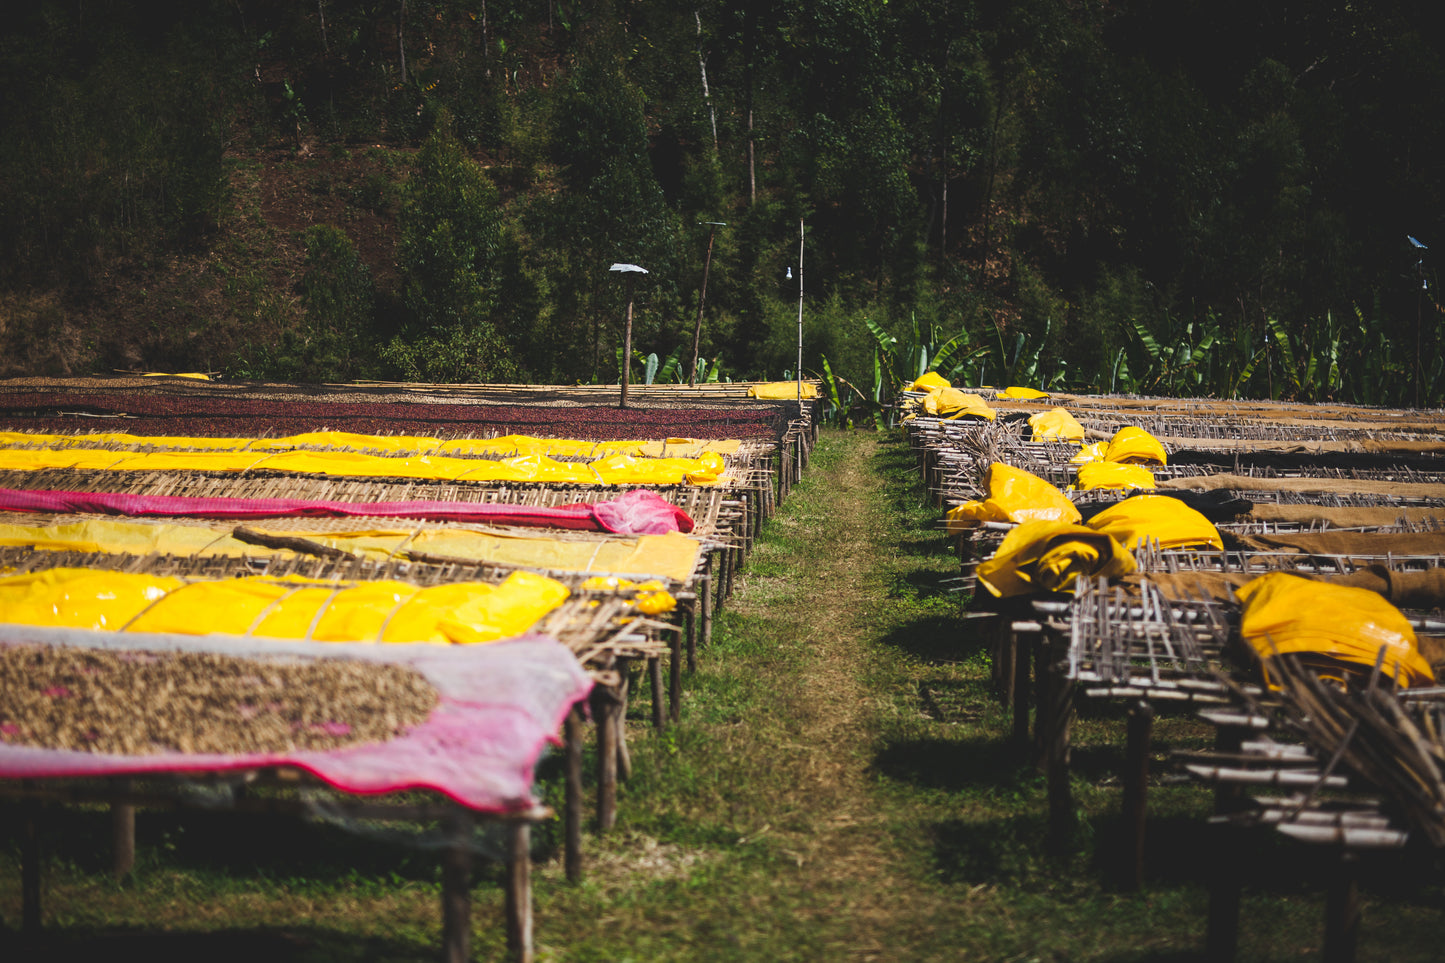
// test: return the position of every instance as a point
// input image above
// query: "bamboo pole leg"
(1136, 792)
(1005, 647)
(1226, 890)
(1060, 722)
(1023, 658)
(572, 852)
(456, 888)
(603, 700)
(1342, 913)
(674, 676)
(519, 893)
(30, 856)
(692, 626)
(122, 831)
(654, 675)
(619, 709)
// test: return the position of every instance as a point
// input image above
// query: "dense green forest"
(1165, 196)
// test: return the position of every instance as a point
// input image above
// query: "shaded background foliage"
(1161, 195)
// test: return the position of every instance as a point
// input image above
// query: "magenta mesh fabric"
(635, 513)
(501, 704)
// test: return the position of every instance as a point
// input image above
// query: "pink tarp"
(635, 513)
(501, 704)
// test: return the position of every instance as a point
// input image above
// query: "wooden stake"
(122, 823)
(456, 887)
(1136, 792)
(572, 854)
(519, 892)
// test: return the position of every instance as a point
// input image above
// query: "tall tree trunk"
(702, 66)
(321, 15)
(401, 37)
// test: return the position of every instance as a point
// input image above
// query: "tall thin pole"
(627, 346)
(799, 371)
(697, 328)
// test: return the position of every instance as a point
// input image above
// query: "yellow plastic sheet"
(1114, 475)
(1284, 613)
(1135, 446)
(467, 612)
(952, 403)
(1047, 556)
(782, 391)
(1174, 524)
(1015, 393)
(612, 470)
(928, 381)
(671, 556)
(1014, 495)
(1088, 453)
(1056, 424)
(390, 444)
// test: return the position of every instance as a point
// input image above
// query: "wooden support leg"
(572, 852)
(1136, 792)
(706, 606)
(654, 676)
(1226, 890)
(30, 856)
(1226, 881)
(519, 893)
(692, 627)
(1023, 659)
(674, 676)
(605, 718)
(624, 689)
(1003, 648)
(122, 831)
(1342, 913)
(457, 888)
(1060, 717)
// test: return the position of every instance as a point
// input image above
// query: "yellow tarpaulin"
(1014, 495)
(671, 556)
(1172, 523)
(1135, 446)
(612, 470)
(782, 391)
(385, 611)
(391, 444)
(928, 381)
(1015, 393)
(1114, 475)
(952, 403)
(1056, 424)
(1284, 613)
(1047, 556)
(1088, 453)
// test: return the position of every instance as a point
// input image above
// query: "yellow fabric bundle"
(1135, 446)
(1056, 424)
(1090, 453)
(782, 391)
(1014, 495)
(1047, 556)
(928, 381)
(1022, 394)
(1174, 524)
(384, 611)
(952, 403)
(652, 597)
(1114, 475)
(1284, 613)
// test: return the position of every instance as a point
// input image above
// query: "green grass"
(842, 787)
